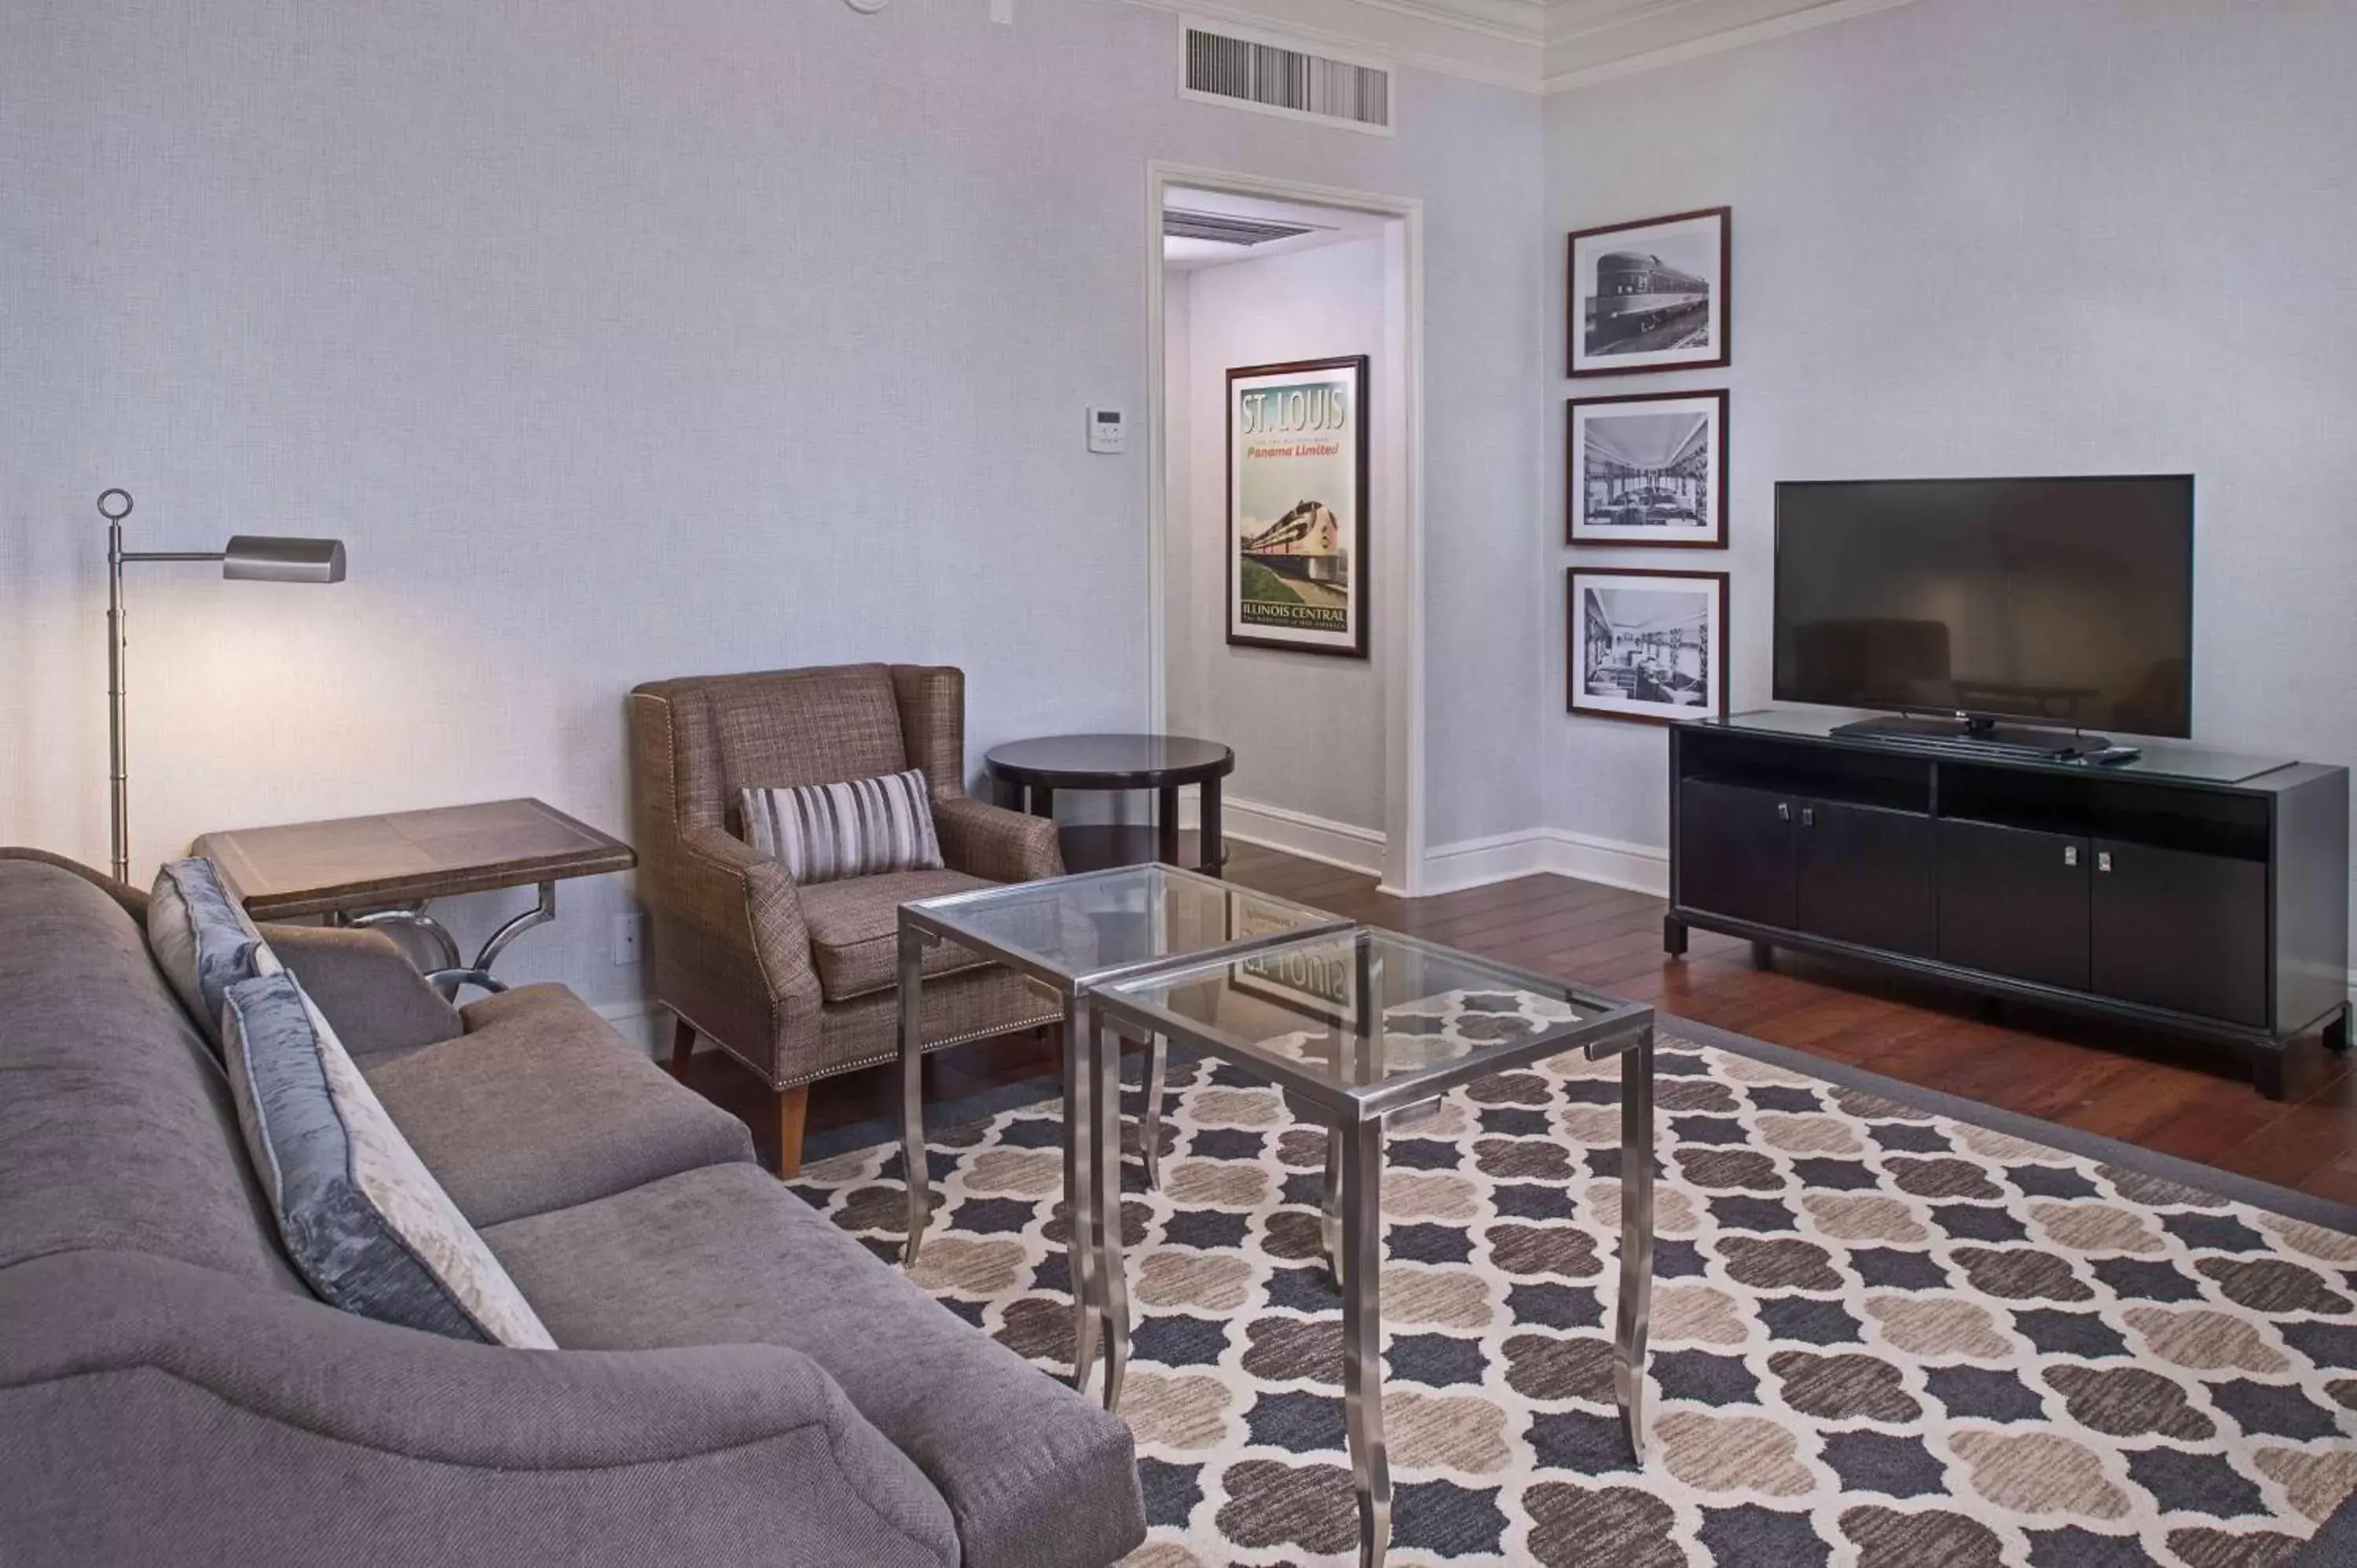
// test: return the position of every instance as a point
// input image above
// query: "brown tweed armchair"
(799, 982)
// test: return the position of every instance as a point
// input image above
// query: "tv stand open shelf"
(2193, 891)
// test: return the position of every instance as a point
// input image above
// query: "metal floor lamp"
(250, 558)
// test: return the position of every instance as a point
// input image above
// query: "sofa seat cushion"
(542, 1105)
(1035, 1476)
(854, 929)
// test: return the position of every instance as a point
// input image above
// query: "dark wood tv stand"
(2189, 890)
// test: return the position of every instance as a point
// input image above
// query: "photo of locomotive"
(1650, 296)
(1642, 303)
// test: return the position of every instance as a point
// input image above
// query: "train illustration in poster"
(1296, 541)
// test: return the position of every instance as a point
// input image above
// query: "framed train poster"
(1296, 545)
(1650, 296)
(1649, 469)
(1647, 645)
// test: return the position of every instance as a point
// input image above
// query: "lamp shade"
(266, 558)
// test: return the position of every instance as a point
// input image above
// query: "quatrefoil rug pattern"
(1881, 1337)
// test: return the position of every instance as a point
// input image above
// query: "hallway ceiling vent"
(1225, 228)
(1274, 78)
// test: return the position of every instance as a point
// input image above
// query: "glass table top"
(1361, 1010)
(1071, 928)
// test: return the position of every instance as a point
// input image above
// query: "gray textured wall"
(623, 341)
(2012, 237)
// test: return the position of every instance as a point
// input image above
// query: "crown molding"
(1531, 45)
(1602, 40)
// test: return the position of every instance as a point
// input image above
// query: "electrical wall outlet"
(626, 940)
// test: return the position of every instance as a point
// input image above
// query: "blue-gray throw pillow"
(201, 940)
(363, 1219)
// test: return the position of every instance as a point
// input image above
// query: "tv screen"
(2060, 602)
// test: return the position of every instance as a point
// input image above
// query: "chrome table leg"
(1113, 1276)
(1362, 1335)
(1636, 1238)
(1329, 1209)
(1080, 1180)
(913, 1170)
(1150, 1114)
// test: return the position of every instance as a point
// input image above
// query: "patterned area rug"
(1881, 1337)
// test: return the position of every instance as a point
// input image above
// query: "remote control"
(2112, 755)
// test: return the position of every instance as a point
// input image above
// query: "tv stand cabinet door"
(1865, 876)
(2014, 902)
(1735, 852)
(2181, 930)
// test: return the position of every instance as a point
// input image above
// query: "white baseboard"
(1345, 845)
(1473, 863)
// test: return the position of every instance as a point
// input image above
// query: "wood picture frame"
(1627, 656)
(1298, 500)
(1633, 475)
(1656, 295)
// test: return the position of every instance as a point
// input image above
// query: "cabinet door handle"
(1808, 816)
(2103, 860)
(1783, 810)
(2069, 855)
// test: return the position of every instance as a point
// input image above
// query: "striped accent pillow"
(824, 833)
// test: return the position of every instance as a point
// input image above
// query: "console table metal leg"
(1362, 1333)
(478, 974)
(1080, 1181)
(1150, 1114)
(414, 917)
(913, 1170)
(1630, 1322)
(1113, 1276)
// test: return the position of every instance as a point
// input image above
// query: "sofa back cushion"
(117, 1126)
(201, 940)
(363, 1219)
(864, 827)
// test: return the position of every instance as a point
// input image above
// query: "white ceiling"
(1535, 45)
(1326, 225)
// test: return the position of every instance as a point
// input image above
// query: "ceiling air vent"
(1247, 72)
(1227, 230)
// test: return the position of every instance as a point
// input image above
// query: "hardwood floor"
(2165, 1094)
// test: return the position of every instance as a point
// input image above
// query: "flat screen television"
(2060, 603)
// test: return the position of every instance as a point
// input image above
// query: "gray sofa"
(739, 1382)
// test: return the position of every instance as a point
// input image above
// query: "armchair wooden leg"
(793, 1109)
(683, 1047)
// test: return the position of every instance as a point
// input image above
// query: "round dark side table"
(1165, 764)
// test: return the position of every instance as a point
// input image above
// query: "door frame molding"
(1397, 608)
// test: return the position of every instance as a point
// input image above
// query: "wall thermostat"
(1105, 430)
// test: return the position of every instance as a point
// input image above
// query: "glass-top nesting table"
(1356, 1025)
(1066, 936)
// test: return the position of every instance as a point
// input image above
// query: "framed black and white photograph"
(1650, 296)
(1650, 469)
(1649, 646)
